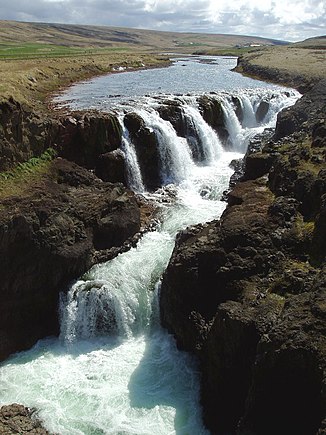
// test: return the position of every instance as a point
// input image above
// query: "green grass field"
(40, 50)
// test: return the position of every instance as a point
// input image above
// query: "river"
(114, 370)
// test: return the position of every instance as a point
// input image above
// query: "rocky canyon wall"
(247, 293)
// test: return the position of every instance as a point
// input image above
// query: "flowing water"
(114, 370)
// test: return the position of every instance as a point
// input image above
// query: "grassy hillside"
(316, 43)
(13, 32)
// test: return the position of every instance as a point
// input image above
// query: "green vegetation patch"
(15, 181)
(39, 50)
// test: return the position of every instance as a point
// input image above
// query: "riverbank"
(31, 81)
(292, 66)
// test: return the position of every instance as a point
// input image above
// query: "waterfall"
(240, 132)
(233, 125)
(249, 116)
(175, 155)
(106, 302)
(209, 145)
(134, 176)
(114, 370)
(246, 114)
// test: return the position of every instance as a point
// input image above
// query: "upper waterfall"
(167, 135)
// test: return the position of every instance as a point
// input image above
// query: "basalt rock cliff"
(50, 234)
(247, 293)
(82, 138)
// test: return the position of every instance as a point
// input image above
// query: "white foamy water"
(134, 176)
(114, 370)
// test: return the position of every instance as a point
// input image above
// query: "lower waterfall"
(114, 370)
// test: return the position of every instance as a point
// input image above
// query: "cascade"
(106, 302)
(208, 144)
(114, 370)
(134, 176)
(175, 155)
(198, 143)
(249, 117)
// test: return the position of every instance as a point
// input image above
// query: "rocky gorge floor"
(247, 293)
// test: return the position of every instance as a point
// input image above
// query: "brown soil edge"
(301, 78)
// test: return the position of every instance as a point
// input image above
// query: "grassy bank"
(305, 64)
(31, 78)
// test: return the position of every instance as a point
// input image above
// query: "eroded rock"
(49, 236)
(17, 419)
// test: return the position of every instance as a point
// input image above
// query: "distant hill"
(100, 36)
(317, 42)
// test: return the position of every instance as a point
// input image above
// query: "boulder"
(172, 111)
(111, 167)
(262, 111)
(17, 419)
(212, 112)
(83, 138)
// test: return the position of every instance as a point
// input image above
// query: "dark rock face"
(48, 237)
(310, 107)
(172, 111)
(23, 134)
(82, 139)
(17, 419)
(293, 356)
(247, 293)
(262, 110)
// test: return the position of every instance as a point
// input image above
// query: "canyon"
(245, 293)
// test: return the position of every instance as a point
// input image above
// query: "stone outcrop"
(17, 419)
(23, 133)
(171, 110)
(84, 137)
(212, 112)
(49, 235)
(247, 293)
(111, 167)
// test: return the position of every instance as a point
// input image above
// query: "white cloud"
(286, 19)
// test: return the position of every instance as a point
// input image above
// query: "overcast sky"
(291, 20)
